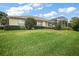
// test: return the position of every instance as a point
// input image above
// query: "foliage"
(1, 27)
(75, 23)
(41, 27)
(58, 27)
(60, 24)
(2, 14)
(3, 18)
(12, 28)
(30, 23)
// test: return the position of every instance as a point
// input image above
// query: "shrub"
(11, 27)
(1, 27)
(58, 27)
(75, 27)
(75, 23)
(30, 23)
(4, 20)
(41, 27)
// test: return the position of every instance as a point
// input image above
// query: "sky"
(44, 10)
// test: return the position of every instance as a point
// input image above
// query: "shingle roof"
(25, 17)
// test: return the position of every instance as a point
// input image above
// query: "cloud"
(40, 8)
(71, 9)
(51, 14)
(17, 11)
(36, 4)
(49, 5)
(20, 3)
(13, 11)
(66, 10)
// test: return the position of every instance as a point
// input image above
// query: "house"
(20, 21)
(62, 21)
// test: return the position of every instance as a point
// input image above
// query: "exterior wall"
(39, 23)
(42, 23)
(45, 24)
(16, 22)
(21, 22)
(51, 25)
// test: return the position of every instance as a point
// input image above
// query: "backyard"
(43, 42)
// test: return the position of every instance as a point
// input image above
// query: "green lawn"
(39, 42)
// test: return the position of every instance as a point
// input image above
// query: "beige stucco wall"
(17, 22)
(42, 23)
(39, 23)
(21, 22)
(45, 23)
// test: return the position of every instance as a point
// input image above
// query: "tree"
(3, 18)
(75, 23)
(30, 23)
(58, 26)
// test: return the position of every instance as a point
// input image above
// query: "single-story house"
(20, 20)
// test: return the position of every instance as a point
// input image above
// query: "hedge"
(41, 27)
(1, 27)
(12, 28)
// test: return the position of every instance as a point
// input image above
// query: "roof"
(25, 17)
(59, 18)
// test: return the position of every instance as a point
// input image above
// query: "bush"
(11, 27)
(75, 27)
(1, 27)
(75, 23)
(30, 23)
(58, 27)
(41, 27)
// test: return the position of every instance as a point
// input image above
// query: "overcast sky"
(45, 10)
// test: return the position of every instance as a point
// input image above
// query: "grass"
(39, 43)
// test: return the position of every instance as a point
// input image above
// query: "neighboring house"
(59, 20)
(20, 21)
